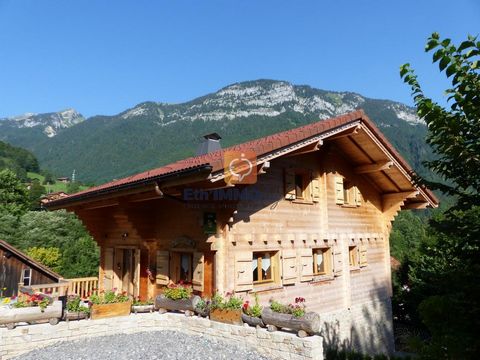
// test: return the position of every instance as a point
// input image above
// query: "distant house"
(64, 180)
(52, 196)
(315, 223)
(17, 268)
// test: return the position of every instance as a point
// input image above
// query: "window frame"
(353, 257)
(274, 264)
(29, 277)
(327, 254)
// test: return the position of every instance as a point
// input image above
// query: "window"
(322, 261)
(353, 256)
(27, 277)
(186, 267)
(346, 193)
(264, 266)
(299, 186)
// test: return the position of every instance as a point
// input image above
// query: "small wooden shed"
(18, 268)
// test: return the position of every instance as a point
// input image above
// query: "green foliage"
(341, 354)
(35, 193)
(109, 297)
(230, 302)
(13, 194)
(50, 257)
(297, 309)
(255, 310)
(56, 229)
(444, 279)
(454, 133)
(19, 160)
(178, 291)
(75, 304)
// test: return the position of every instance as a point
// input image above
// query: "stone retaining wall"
(277, 345)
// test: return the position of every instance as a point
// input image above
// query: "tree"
(35, 193)
(454, 133)
(445, 278)
(13, 194)
(50, 257)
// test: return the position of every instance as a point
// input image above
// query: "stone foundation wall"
(277, 345)
(364, 327)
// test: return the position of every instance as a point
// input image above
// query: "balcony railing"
(82, 287)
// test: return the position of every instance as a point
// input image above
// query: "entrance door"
(122, 270)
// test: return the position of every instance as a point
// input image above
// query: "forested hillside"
(18, 160)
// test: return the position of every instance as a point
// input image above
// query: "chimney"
(210, 144)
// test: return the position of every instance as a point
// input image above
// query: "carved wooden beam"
(376, 167)
(307, 149)
(395, 200)
(349, 132)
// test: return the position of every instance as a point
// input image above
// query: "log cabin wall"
(11, 269)
(150, 227)
(296, 227)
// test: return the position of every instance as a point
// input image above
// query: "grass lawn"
(58, 186)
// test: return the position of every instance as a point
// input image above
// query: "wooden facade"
(17, 268)
(315, 224)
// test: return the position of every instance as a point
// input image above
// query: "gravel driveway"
(144, 346)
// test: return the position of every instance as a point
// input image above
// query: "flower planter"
(100, 311)
(252, 320)
(9, 316)
(308, 324)
(74, 315)
(227, 316)
(142, 308)
(202, 312)
(188, 305)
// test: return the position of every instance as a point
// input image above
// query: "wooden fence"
(82, 287)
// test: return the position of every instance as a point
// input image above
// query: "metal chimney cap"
(212, 136)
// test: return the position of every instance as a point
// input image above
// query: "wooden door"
(126, 270)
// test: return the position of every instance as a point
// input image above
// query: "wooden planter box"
(10, 316)
(74, 315)
(142, 308)
(233, 317)
(163, 303)
(100, 311)
(308, 324)
(252, 320)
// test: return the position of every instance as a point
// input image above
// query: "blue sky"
(102, 57)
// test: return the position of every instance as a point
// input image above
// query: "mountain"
(27, 129)
(152, 134)
(17, 159)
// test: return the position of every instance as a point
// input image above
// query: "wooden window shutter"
(108, 269)
(289, 266)
(358, 197)
(290, 184)
(198, 271)
(362, 255)
(315, 187)
(306, 263)
(339, 199)
(163, 259)
(243, 271)
(337, 261)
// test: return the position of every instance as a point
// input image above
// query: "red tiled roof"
(260, 146)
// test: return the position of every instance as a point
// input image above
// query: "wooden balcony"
(82, 287)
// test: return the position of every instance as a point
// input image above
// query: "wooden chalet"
(18, 269)
(315, 224)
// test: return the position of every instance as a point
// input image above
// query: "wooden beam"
(347, 133)
(307, 149)
(375, 167)
(396, 200)
(416, 205)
